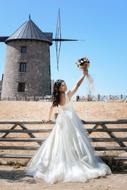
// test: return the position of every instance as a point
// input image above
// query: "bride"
(67, 154)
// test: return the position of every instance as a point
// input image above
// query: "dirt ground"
(14, 179)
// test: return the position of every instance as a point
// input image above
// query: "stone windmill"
(27, 67)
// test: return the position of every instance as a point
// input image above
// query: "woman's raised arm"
(72, 92)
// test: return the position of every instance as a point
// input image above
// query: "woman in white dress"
(67, 154)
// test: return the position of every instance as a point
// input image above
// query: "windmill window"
(21, 87)
(22, 67)
(23, 49)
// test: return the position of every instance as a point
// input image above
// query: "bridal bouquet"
(84, 63)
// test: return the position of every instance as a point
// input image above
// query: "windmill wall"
(37, 77)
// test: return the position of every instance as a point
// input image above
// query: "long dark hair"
(56, 92)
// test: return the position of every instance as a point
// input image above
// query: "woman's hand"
(47, 121)
(85, 72)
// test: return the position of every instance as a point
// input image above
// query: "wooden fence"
(78, 98)
(117, 143)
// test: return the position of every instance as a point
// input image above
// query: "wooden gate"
(22, 137)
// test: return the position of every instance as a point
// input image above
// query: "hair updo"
(56, 92)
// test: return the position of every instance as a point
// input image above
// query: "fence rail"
(109, 127)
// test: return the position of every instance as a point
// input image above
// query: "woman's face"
(63, 87)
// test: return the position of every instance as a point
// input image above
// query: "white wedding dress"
(67, 154)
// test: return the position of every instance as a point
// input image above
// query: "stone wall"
(37, 76)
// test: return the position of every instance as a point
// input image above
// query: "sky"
(99, 25)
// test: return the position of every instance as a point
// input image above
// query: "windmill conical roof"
(30, 31)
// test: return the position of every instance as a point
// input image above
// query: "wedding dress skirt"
(67, 154)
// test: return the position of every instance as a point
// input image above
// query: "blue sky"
(102, 24)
